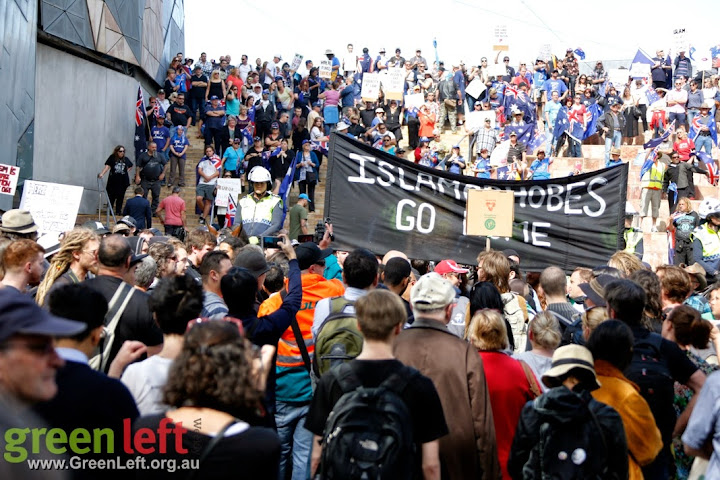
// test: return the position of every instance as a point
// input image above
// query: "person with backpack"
(395, 406)
(337, 338)
(655, 367)
(554, 284)
(456, 369)
(565, 433)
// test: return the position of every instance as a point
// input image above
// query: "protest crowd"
(270, 351)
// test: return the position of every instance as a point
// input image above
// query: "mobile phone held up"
(306, 238)
(271, 242)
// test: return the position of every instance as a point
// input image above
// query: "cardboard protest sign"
(567, 222)
(393, 83)
(370, 87)
(297, 61)
(53, 206)
(618, 78)
(325, 69)
(680, 41)
(475, 88)
(8, 179)
(500, 38)
(415, 100)
(490, 213)
(227, 187)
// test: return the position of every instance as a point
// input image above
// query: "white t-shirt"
(208, 169)
(146, 381)
(243, 70)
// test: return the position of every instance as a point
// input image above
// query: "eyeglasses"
(40, 349)
(121, 151)
(92, 253)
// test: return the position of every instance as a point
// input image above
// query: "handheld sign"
(8, 179)
(500, 38)
(227, 187)
(414, 100)
(680, 43)
(325, 70)
(490, 213)
(475, 88)
(618, 77)
(393, 83)
(296, 62)
(53, 206)
(370, 87)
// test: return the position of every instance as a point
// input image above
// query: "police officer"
(632, 236)
(260, 211)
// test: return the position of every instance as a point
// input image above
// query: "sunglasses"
(121, 151)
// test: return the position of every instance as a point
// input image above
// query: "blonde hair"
(627, 263)
(545, 330)
(496, 268)
(592, 318)
(487, 330)
(73, 241)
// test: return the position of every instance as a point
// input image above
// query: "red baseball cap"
(449, 266)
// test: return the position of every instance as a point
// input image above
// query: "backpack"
(339, 339)
(368, 434)
(572, 334)
(572, 450)
(651, 373)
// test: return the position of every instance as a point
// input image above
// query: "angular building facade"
(71, 70)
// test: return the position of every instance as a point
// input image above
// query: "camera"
(319, 231)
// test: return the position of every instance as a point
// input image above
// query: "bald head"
(393, 254)
(114, 252)
(552, 281)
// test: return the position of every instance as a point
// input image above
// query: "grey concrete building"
(70, 71)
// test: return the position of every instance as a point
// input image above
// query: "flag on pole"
(655, 142)
(580, 53)
(710, 165)
(140, 118)
(230, 212)
(284, 191)
(695, 126)
(649, 161)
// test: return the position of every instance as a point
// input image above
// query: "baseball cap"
(266, 92)
(214, 97)
(510, 253)
(20, 314)
(96, 227)
(129, 221)
(594, 290)
(431, 292)
(379, 109)
(513, 134)
(303, 196)
(278, 56)
(274, 125)
(257, 139)
(135, 259)
(449, 266)
(161, 91)
(308, 254)
(236, 140)
(253, 260)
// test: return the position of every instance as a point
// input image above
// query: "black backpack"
(368, 434)
(572, 449)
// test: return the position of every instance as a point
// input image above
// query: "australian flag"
(655, 142)
(159, 111)
(652, 95)
(140, 120)
(710, 165)
(562, 122)
(593, 113)
(524, 133)
(248, 133)
(536, 142)
(284, 191)
(321, 147)
(580, 53)
(230, 212)
(649, 162)
(695, 126)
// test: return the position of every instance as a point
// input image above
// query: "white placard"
(618, 77)
(703, 60)
(393, 83)
(325, 70)
(227, 187)
(53, 206)
(475, 88)
(370, 87)
(475, 120)
(545, 51)
(500, 37)
(297, 61)
(415, 100)
(680, 43)
(640, 70)
(8, 179)
(496, 70)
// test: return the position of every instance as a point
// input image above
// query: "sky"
(464, 29)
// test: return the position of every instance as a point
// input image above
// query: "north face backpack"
(368, 434)
(572, 450)
(339, 339)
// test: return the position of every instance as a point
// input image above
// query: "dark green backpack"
(339, 339)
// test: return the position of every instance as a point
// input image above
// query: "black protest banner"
(381, 202)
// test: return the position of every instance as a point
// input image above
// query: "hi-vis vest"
(632, 238)
(315, 288)
(254, 212)
(653, 178)
(710, 242)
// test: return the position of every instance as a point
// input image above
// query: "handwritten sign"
(227, 187)
(8, 179)
(297, 61)
(393, 83)
(500, 38)
(370, 87)
(325, 70)
(680, 42)
(54, 206)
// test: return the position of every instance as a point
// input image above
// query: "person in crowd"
(135, 322)
(626, 302)
(77, 256)
(149, 172)
(482, 167)
(470, 447)
(699, 437)
(706, 241)
(544, 335)
(215, 385)
(611, 345)
(307, 168)
(684, 326)
(215, 117)
(118, 165)
(626, 263)
(676, 99)
(23, 261)
(208, 172)
(165, 258)
(138, 208)
(160, 134)
(510, 382)
(381, 316)
(293, 390)
(171, 213)
(298, 217)
(215, 265)
(613, 124)
(260, 211)
(144, 272)
(594, 427)
(198, 242)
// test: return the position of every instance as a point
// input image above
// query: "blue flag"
(580, 53)
(591, 128)
(524, 132)
(710, 165)
(537, 141)
(672, 187)
(284, 191)
(561, 122)
(695, 126)
(652, 95)
(648, 162)
(655, 142)
(692, 52)
(140, 125)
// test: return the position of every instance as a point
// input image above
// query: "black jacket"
(264, 115)
(566, 406)
(225, 136)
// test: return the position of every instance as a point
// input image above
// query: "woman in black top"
(216, 86)
(118, 165)
(212, 386)
(280, 163)
(300, 133)
(393, 122)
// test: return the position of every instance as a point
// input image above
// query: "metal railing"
(102, 192)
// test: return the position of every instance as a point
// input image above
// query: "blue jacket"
(139, 208)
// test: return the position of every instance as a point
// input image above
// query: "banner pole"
(487, 244)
